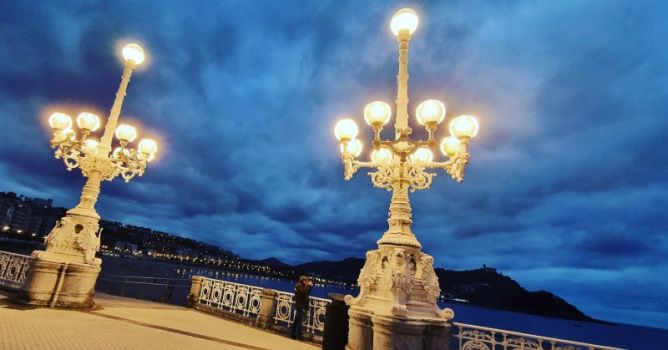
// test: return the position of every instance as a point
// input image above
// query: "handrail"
(14, 269)
(146, 277)
(551, 340)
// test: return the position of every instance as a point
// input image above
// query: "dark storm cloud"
(567, 183)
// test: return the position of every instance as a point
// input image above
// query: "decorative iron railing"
(315, 319)
(13, 269)
(229, 296)
(482, 338)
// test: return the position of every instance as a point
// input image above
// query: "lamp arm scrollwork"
(129, 164)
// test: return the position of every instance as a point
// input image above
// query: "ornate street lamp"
(69, 259)
(398, 282)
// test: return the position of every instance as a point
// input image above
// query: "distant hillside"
(275, 263)
(483, 287)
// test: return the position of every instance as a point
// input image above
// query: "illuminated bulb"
(430, 111)
(117, 152)
(147, 148)
(88, 121)
(404, 19)
(381, 155)
(377, 113)
(60, 121)
(126, 133)
(90, 147)
(354, 147)
(422, 154)
(134, 53)
(62, 135)
(345, 129)
(464, 126)
(450, 146)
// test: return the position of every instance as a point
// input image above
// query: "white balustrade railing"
(315, 318)
(482, 338)
(229, 296)
(13, 269)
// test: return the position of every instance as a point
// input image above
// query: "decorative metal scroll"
(315, 319)
(229, 296)
(13, 269)
(472, 337)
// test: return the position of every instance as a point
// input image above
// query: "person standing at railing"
(302, 292)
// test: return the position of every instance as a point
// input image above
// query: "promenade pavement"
(123, 323)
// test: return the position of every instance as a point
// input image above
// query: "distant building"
(28, 217)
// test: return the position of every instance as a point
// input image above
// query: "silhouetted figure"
(302, 291)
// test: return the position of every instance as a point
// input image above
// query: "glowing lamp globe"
(404, 20)
(345, 129)
(62, 135)
(133, 53)
(353, 147)
(60, 121)
(126, 133)
(377, 113)
(422, 155)
(450, 146)
(147, 148)
(464, 126)
(88, 121)
(118, 151)
(430, 112)
(381, 155)
(90, 147)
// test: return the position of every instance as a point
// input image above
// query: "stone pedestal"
(391, 333)
(360, 330)
(59, 284)
(396, 307)
(195, 289)
(267, 309)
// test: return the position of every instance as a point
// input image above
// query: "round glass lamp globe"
(88, 121)
(60, 121)
(118, 150)
(381, 155)
(422, 155)
(404, 19)
(345, 129)
(90, 146)
(147, 146)
(353, 147)
(450, 146)
(464, 126)
(133, 53)
(126, 133)
(430, 111)
(377, 113)
(62, 135)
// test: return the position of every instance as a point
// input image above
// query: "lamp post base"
(59, 284)
(368, 331)
(396, 307)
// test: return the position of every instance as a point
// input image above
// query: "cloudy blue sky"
(567, 188)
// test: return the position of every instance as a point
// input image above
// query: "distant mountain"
(345, 270)
(275, 263)
(483, 287)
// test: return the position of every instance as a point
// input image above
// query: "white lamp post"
(64, 274)
(396, 307)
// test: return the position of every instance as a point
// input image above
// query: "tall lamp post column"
(65, 273)
(396, 307)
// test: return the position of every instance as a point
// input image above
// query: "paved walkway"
(122, 323)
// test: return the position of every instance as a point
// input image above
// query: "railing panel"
(315, 318)
(14, 269)
(471, 337)
(229, 296)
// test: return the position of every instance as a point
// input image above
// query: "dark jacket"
(301, 296)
